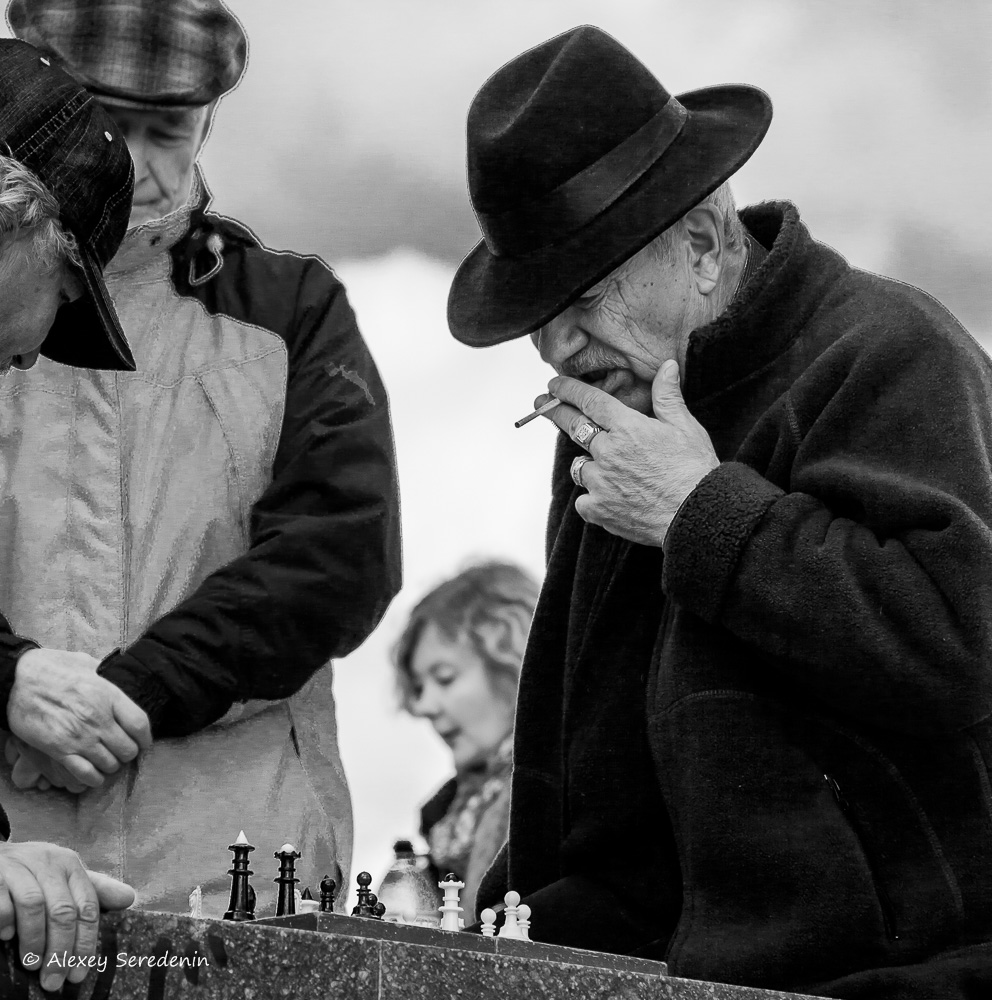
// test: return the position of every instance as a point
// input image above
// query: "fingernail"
(670, 369)
(51, 981)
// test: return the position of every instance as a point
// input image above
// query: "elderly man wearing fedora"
(227, 514)
(65, 190)
(752, 733)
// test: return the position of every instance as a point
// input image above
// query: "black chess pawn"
(327, 889)
(242, 902)
(379, 910)
(363, 908)
(286, 880)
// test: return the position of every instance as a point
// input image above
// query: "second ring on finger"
(585, 432)
(575, 471)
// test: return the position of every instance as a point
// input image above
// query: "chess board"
(326, 956)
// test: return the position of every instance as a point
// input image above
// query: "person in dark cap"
(752, 727)
(234, 520)
(65, 189)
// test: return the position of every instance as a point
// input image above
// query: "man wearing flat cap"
(227, 514)
(65, 191)
(752, 733)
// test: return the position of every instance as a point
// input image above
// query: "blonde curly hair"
(492, 604)
(27, 207)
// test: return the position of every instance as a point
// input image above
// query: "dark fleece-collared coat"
(764, 753)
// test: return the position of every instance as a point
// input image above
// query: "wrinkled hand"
(83, 722)
(30, 768)
(642, 467)
(54, 905)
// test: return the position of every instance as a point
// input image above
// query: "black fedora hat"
(577, 158)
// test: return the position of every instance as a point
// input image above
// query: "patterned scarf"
(452, 837)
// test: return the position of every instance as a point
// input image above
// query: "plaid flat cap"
(160, 54)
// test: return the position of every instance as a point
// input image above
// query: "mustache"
(590, 361)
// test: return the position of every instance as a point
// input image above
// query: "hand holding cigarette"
(540, 411)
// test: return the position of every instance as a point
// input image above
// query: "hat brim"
(139, 104)
(495, 299)
(86, 332)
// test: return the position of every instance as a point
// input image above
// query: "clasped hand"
(69, 726)
(642, 467)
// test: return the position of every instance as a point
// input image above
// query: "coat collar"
(767, 315)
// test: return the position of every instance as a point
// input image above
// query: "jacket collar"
(768, 313)
(150, 242)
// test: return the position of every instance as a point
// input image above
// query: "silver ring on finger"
(576, 469)
(586, 432)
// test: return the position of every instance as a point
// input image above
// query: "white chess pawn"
(510, 928)
(488, 922)
(523, 921)
(450, 908)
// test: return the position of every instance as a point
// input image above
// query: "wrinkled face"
(618, 334)
(163, 145)
(452, 689)
(30, 296)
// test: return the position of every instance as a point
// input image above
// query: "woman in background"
(457, 664)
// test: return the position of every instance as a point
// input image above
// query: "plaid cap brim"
(87, 332)
(133, 104)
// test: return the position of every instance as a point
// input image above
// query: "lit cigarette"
(549, 405)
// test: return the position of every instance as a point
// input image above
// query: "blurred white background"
(346, 138)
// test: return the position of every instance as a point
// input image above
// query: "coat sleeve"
(11, 648)
(865, 576)
(324, 556)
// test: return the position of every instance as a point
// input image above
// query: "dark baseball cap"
(50, 125)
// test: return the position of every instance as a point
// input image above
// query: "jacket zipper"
(884, 900)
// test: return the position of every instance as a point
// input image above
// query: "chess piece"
(240, 907)
(306, 903)
(251, 901)
(363, 907)
(327, 889)
(408, 893)
(376, 909)
(523, 921)
(286, 880)
(510, 928)
(488, 922)
(450, 909)
(196, 902)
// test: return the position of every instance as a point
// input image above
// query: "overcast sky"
(347, 133)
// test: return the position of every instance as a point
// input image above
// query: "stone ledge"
(160, 956)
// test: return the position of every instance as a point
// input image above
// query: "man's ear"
(704, 231)
(206, 126)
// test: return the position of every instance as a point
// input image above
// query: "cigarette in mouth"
(549, 405)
